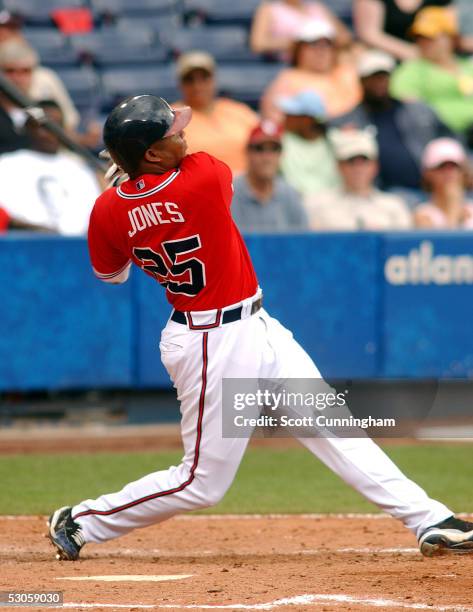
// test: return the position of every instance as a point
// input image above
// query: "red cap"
(266, 131)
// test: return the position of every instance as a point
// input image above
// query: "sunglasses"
(13, 69)
(356, 158)
(195, 77)
(266, 147)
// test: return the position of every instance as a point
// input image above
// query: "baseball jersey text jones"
(178, 228)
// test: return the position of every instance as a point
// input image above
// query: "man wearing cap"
(307, 163)
(17, 62)
(438, 76)
(357, 205)
(403, 128)
(220, 126)
(43, 83)
(316, 64)
(262, 200)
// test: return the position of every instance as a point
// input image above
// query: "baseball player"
(172, 219)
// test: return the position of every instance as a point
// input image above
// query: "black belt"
(229, 316)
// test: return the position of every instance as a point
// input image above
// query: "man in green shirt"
(438, 77)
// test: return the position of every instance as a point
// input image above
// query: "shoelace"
(78, 538)
(74, 531)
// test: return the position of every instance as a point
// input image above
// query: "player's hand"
(115, 175)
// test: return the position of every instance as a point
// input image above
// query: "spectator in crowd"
(43, 83)
(45, 188)
(307, 163)
(446, 175)
(438, 77)
(385, 24)
(403, 129)
(10, 26)
(262, 200)
(18, 68)
(357, 204)
(464, 16)
(276, 25)
(317, 65)
(219, 126)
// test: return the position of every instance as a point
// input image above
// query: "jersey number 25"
(168, 271)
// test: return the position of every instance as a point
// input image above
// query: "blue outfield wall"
(425, 322)
(363, 305)
(61, 328)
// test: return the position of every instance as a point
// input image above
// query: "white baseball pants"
(197, 361)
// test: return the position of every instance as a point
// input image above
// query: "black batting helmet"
(137, 122)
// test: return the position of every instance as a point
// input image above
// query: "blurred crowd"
(367, 126)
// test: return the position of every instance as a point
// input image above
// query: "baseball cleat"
(452, 536)
(65, 534)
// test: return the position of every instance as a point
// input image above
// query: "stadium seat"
(224, 43)
(112, 46)
(133, 7)
(38, 11)
(246, 82)
(118, 83)
(82, 85)
(162, 26)
(52, 47)
(222, 11)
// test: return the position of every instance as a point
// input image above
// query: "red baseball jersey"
(178, 228)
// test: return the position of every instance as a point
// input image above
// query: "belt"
(229, 316)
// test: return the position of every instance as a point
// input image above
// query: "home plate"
(132, 578)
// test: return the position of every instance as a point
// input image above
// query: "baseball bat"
(10, 91)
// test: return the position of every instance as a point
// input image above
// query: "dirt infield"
(228, 563)
(243, 563)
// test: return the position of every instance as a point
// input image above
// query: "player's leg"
(197, 362)
(358, 461)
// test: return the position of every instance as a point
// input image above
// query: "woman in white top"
(276, 24)
(445, 176)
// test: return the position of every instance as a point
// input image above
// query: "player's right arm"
(110, 263)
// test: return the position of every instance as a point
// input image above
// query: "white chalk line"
(250, 517)
(151, 553)
(234, 517)
(367, 550)
(298, 600)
